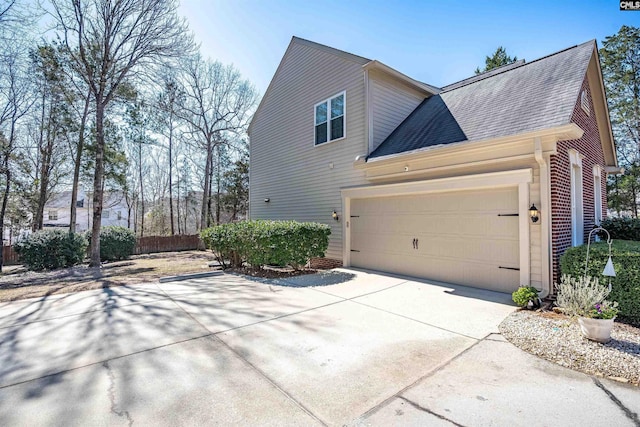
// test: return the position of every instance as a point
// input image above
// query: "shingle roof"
(521, 98)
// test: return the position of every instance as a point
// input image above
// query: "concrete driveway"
(345, 347)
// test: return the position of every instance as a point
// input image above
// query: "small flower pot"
(596, 329)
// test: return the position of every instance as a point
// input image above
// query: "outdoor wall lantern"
(533, 213)
(267, 200)
(334, 215)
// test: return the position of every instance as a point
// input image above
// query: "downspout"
(545, 220)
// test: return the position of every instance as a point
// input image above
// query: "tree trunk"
(97, 186)
(76, 166)
(46, 153)
(37, 220)
(3, 210)
(218, 179)
(210, 199)
(141, 188)
(207, 184)
(170, 173)
(178, 205)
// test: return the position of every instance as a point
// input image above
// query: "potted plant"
(597, 323)
(527, 297)
(584, 298)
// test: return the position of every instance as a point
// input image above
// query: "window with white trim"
(329, 119)
(577, 212)
(53, 215)
(584, 102)
(597, 194)
(105, 214)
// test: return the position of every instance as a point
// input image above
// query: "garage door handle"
(417, 242)
(414, 243)
(509, 268)
(508, 214)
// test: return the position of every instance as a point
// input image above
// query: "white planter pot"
(596, 329)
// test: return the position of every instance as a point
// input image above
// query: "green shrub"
(622, 228)
(262, 242)
(626, 261)
(50, 249)
(115, 243)
(525, 294)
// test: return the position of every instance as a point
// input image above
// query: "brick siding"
(325, 263)
(590, 147)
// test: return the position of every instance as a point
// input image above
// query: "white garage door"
(463, 237)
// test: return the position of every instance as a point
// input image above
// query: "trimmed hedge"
(51, 249)
(622, 228)
(626, 261)
(116, 243)
(262, 242)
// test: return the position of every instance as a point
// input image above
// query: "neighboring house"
(437, 182)
(57, 210)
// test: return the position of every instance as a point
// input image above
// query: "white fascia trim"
(422, 87)
(559, 133)
(465, 182)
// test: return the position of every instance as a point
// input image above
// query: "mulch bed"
(271, 272)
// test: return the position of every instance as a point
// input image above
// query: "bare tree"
(15, 101)
(217, 101)
(167, 108)
(112, 41)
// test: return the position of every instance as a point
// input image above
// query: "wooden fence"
(144, 245)
(9, 256)
(151, 244)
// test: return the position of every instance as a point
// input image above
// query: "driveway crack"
(428, 411)
(628, 412)
(112, 395)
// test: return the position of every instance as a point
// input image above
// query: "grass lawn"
(18, 283)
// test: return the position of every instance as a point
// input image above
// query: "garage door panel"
(461, 237)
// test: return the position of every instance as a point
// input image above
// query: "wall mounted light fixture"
(533, 213)
(267, 200)
(334, 215)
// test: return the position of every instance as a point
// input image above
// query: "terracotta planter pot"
(596, 329)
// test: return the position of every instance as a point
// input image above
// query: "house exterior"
(57, 210)
(436, 182)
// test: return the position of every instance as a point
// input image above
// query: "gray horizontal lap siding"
(285, 166)
(390, 106)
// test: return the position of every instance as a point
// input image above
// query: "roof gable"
(521, 98)
(298, 41)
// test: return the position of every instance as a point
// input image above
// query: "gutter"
(545, 220)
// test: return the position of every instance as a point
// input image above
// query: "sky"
(437, 42)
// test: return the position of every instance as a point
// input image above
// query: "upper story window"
(53, 215)
(597, 194)
(584, 102)
(105, 214)
(329, 119)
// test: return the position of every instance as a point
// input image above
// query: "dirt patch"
(18, 283)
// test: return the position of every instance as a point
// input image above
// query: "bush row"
(626, 261)
(51, 249)
(622, 228)
(115, 242)
(261, 242)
